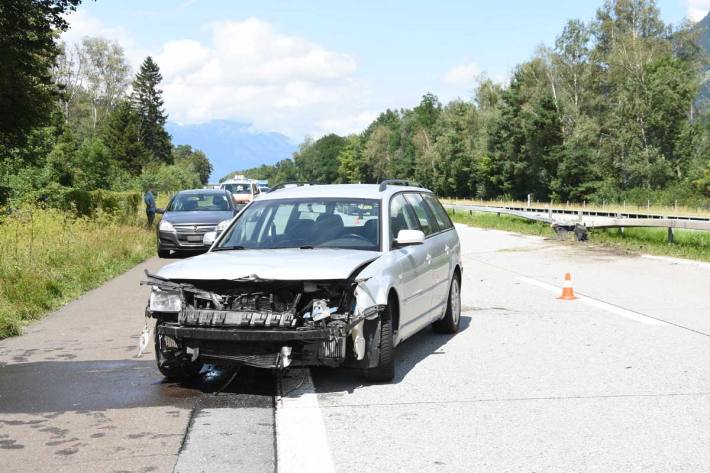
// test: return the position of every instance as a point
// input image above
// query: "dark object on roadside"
(580, 232)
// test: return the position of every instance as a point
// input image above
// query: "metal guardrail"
(570, 219)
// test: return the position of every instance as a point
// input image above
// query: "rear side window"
(439, 213)
(425, 222)
(401, 217)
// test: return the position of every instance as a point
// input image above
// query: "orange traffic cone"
(567, 291)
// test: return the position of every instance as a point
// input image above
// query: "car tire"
(452, 316)
(163, 253)
(384, 371)
(170, 367)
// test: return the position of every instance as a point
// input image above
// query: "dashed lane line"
(613, 309)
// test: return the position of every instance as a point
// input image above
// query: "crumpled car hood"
(287, 264)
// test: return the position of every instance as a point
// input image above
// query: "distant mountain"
(232, 146)
(703, 28)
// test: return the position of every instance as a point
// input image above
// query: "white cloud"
(697, 9)
(82, 24)
(463, 74)
(252, 73)
(345, 125)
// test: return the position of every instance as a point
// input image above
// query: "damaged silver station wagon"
(333, 275)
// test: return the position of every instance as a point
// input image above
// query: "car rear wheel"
(384, 371)
(452, 316)
(172, 362)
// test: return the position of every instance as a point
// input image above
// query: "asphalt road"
(617, 380)
(73, 397)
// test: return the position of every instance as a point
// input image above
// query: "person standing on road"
(149, 200)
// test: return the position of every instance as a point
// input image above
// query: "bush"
(83, 203)
(49, 257)
(168, 178)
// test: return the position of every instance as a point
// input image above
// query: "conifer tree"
(147, 101)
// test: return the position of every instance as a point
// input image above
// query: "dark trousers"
(150, 213)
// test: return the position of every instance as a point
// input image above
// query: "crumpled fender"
(375, 281)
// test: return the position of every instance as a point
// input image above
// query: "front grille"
(191, 235)
(194, 228)
(235, 318)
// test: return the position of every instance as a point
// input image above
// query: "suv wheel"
(384, 371)
(172, 366)
(450, 322)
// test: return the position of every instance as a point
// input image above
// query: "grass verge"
(48, 257)
(688, 243)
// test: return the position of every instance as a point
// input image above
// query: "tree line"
(609, 112)
(73, 116)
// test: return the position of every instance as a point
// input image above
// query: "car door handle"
(447, 249)
(428, 258)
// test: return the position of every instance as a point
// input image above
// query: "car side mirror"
(209, 238)
(410, 237)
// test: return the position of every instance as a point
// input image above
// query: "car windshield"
(186, 202)
(306, 223)
(238, 188)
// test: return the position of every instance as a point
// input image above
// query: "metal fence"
(561, 218)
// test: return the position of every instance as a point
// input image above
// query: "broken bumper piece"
(262, 348)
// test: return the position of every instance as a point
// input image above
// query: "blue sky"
(311, 67)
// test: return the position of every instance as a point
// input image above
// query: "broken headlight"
(164, 301)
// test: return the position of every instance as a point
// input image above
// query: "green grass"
(48, 257)
(688, 243)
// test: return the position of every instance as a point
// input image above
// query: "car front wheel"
(384, 371)
(450, 322)
(172, 363)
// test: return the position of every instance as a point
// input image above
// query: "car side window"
(442, 218)
(425, 222)
(401, 217)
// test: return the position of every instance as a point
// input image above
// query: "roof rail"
(401, 182)
(281, 185)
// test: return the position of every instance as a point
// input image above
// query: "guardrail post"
(670, 235)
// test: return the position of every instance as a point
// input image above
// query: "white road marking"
(301, 439)
(644, 319)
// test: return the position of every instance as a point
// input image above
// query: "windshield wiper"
(225, 248)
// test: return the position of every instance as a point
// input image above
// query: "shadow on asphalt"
(54, 386)
(59, 386)
(407, 355)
